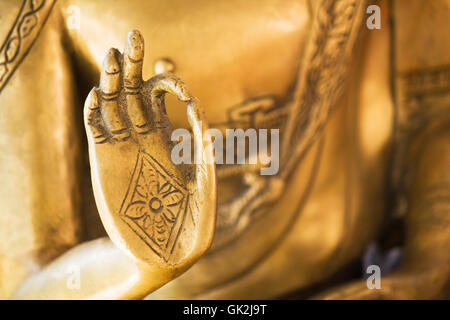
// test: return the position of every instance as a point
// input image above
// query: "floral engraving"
(155, 205)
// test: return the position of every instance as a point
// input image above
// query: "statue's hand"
(160, 213)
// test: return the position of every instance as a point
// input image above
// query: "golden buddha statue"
(94, 207)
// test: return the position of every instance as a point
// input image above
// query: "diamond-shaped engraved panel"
(154, 205)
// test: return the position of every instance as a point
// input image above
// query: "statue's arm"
(39, 142)
(427, 254)
(424, 271)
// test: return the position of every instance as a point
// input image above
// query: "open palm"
(158, 212)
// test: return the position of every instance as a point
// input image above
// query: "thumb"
(205, 168)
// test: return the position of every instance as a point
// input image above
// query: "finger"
(133, 59)
(110, 75)
(205, 172)
(93, 118)
(169, 83)
(165, 83)
(109, 86)
(132, 80)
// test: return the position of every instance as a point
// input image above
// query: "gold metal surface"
(92, 192)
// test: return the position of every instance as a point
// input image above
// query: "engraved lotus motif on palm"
(155, 205)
